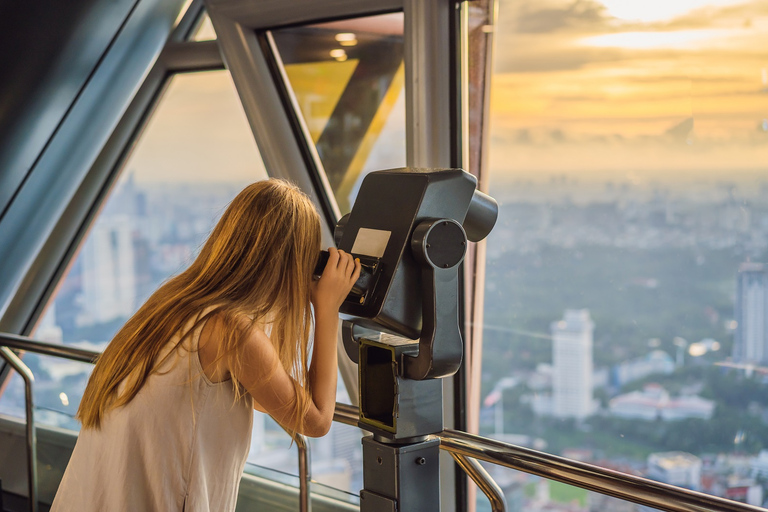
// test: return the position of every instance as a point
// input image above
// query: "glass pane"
(336, 458)
(194, 156)
(348, 79)
(58, 388)
(626, 288)
(526, 492)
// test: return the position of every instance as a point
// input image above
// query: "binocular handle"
(439, 245)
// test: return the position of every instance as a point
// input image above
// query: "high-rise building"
(572, 362)
(108, 282)
(751, 314)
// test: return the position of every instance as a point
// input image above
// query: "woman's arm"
(272, 388)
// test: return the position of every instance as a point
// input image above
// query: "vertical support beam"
(271, 110)
(428, 83)
(433, 99)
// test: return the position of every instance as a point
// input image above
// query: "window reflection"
(629, 154)
(348, 79)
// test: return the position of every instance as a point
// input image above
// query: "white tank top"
(179, 445)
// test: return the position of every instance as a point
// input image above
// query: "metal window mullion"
(95, 187)
(270, 14)
(322, 185)
(433, 138)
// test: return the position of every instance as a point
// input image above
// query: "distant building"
(759, 465)
(744, 490)
(751, 314)
(675, 468)
(109, 284)
(656, 361)
(572, 364)
(655, 403)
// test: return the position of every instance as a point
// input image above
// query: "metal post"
(305, 473)
(29, 380)
(484, 481)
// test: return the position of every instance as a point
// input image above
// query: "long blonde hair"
(257, 265)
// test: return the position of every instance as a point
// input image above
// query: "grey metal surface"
(40, 207)
(31, 439)
(428, 79)
(48, 54)
(265, 106)
(70, 228)
(484, 481)
(433, 126)
(191, 56)
(267, 14)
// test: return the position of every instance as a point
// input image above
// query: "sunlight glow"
(657, 10)
(647, 40)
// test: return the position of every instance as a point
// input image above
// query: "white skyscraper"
(572, 362)
(751, 314)
(109, 281)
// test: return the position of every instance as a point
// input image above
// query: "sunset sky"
(613, 90)
(630, 90)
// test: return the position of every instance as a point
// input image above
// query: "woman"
(167, 412)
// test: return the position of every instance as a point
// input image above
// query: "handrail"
(47, 349)
(484, 481)
(29, 380)
(580, 474)
(305, 470)
(305, 473)
(348, 414)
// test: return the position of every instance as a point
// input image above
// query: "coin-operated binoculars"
(410, 228)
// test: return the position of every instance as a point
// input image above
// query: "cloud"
(535, 17)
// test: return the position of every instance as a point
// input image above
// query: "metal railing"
(587, 476)
(29, 380)
(467, 449)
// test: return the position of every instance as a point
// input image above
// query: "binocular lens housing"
(370, 269)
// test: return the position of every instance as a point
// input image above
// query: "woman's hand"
(340, 274)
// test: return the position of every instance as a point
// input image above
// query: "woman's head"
(256, 264)
(263, 249)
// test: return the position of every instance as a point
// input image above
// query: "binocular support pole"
(400, 382)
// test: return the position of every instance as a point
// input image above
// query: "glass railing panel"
(337, 457)
(58, 388)
(526, 492)
(348, 79)
(626, 284)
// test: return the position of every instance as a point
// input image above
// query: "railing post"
(29, 380)
(305, 473)
(484, 481)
